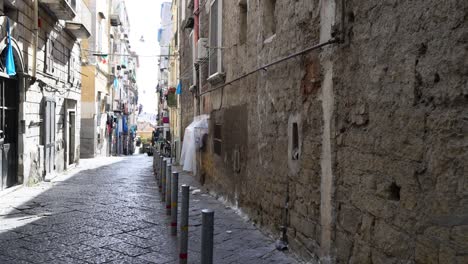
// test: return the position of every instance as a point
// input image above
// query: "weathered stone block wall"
(401, 156)
(268, 179)
(53, 84)
(397, 138)
(186, 74)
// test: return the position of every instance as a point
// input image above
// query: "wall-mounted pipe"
(35, 40)
(196, 26)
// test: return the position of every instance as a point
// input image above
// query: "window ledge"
(217, 78)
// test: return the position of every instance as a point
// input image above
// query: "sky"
(144, 16)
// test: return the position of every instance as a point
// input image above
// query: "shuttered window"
(215, 37)
(49, 55)
(217, 139)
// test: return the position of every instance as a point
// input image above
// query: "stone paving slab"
(108, 210)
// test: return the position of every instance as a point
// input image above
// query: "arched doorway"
(9, 119)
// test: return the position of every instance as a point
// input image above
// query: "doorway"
(9, 102)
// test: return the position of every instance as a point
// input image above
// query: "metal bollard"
(174, 200)
(163, 181)
(161, 159)
(156, 163)
(184, 221)
(168, 189)
(207, 236)
(156, 166)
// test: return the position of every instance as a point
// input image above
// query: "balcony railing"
(75, 13)
(80, 26)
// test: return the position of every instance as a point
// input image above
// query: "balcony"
(62, 9)
(80, 26)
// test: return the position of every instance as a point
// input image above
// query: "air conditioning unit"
(202, 49)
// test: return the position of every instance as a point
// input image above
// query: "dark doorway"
(71, 138)
(9, 101)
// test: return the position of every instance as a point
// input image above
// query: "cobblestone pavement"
(108, 210)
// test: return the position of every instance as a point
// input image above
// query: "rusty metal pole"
(184, 221)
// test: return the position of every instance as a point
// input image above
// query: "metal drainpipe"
(35, 40)
(196, 12)
(196, 35)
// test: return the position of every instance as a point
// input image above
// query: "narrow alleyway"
(108, 211)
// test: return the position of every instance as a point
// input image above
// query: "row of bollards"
(168, 185)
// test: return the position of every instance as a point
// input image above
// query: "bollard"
(154, 163)
(163, 181)
(207, 236)
(156, 166)
(174, 200)
(184, 221)
(160, 172)
(168, 189)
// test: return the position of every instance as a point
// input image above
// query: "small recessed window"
(295, 142)
(269, 19)
(242, 22)
(217, 139)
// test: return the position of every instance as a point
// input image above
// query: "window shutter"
(213, 51)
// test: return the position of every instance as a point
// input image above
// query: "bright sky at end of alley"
(144, 18)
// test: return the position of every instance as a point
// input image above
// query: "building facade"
(40, 110)
(336, 125)
(165, 90)
(124, 108)
(97, 86)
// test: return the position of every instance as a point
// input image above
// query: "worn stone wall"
(55, 84)
(186, 71)
(378, 174)
(401, 156)
(274, 99)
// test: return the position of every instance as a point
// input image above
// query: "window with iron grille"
(217, 139)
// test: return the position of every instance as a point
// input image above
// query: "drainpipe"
(196, 37)
(35, 37)
(196, 12)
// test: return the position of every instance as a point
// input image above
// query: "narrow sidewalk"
(235, 239)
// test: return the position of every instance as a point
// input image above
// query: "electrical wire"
(265, 67)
